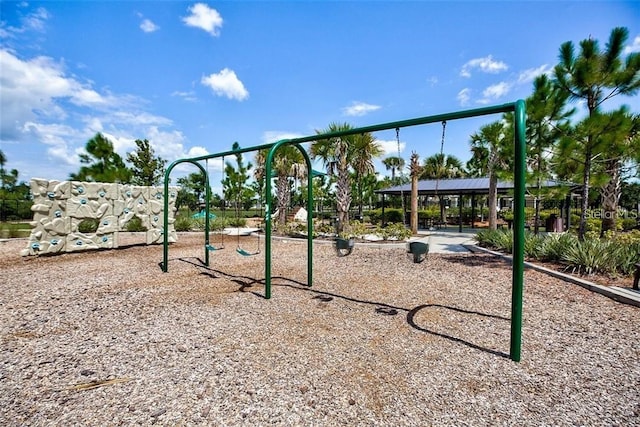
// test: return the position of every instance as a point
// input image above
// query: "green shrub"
(323, 228)
(393, 215)
(628, 224)
(589, 256)
(554, 245)
(394, 231)
(236, 222)
(533, 245)
(88, 225)
(135, 224)
(501, 240)
(183, 223)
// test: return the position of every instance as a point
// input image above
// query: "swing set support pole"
(519, 110)
(267, 215)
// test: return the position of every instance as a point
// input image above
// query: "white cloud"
(633, 47)
(390, 147)
(42, 105)
(226, 83)
(187, 96)
(32, 21)
(167, 144)
(359, 109)
(463, 96)
(205, 18)
(486, 65)
(58, 139)
(433, 80)
(148, 26)
(494, 92)
(527, 76)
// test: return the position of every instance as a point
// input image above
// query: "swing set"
(239, 249)
(517, 287)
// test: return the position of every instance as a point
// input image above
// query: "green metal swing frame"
(517, 288)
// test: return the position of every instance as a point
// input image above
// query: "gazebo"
(468, 187)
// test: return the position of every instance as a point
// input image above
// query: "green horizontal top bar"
(504, 108)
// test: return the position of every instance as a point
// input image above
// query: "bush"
(496, 239)
(554, 245)
(135, 224)
(590, 256)
(88, 226)
(533, 245)
(629, 224)
(183, 223)
(394, 231)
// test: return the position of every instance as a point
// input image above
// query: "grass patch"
(10, 230)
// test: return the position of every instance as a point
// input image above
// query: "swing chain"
(404, 221)
(444, 127)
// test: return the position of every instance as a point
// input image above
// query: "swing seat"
(213, 248)
(245, 253)
(344, 247)
(419, 250)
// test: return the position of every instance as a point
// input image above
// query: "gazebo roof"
(460, 186)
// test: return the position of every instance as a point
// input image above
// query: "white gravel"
(106, 338)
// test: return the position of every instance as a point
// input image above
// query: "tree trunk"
(343, 200)
(282, 186)
(493, 201)
(586, 177)
(414, 204)
(611, 196)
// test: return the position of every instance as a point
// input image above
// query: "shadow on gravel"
(476, 260)
(246, 282)
(390, 310)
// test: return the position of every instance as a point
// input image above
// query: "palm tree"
(393, 163)
(335, 154)
(415, 171)
(442, 166)
(287, 162)
(491, 155)
(595, 76)
(365, 148)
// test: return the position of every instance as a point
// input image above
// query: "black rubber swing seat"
(419, 251)
(344, 247)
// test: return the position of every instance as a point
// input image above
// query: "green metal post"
(165, 231)
(518, 231)
(207, 223)
(267, 218)
(519, 187)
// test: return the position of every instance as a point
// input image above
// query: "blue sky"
(192, 77)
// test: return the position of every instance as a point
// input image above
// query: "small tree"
(547, 120)
(594, 76)
(147, 168)
(103, 164)
(234, 185)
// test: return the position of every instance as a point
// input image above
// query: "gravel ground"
(106, 338)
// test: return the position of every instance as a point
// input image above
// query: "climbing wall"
(60, 206)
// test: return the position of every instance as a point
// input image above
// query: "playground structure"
(59, 208)
(519, 110)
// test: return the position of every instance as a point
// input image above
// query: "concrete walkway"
(447, 241)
